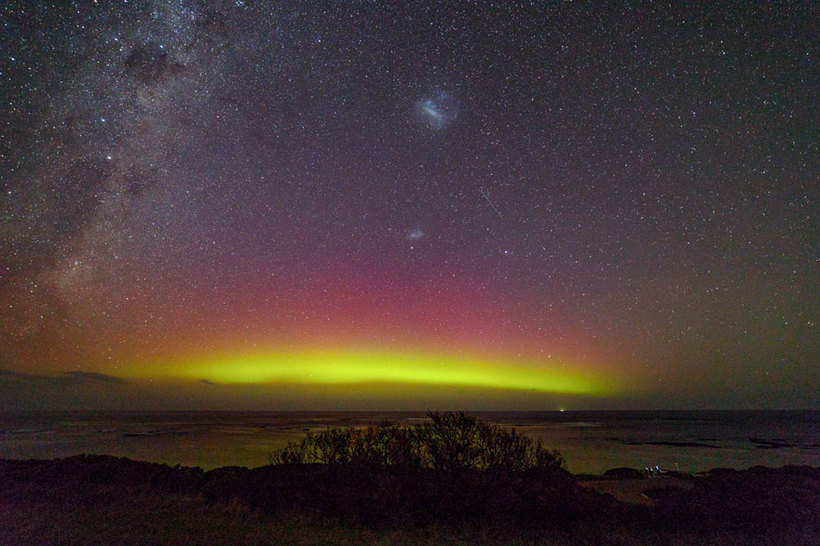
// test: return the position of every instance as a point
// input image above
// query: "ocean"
(591, 441)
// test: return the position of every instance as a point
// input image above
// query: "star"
(468, 180)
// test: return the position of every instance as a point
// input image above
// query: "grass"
(134, 517)
(144, 518)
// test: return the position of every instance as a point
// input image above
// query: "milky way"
(625, 197)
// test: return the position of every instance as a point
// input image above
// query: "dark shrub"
(450, 441)
(452, 468)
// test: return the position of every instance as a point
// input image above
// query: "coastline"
(591, 441)
(87, 499)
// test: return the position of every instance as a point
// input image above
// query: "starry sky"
(384, 205)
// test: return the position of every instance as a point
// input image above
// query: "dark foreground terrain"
(107, 500)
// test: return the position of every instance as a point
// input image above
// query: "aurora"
(379, 205)
(359, 367)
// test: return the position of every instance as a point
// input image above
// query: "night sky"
(345, 205)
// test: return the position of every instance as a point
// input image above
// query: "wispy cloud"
(9, 377)
(76, 378)
(65, 378)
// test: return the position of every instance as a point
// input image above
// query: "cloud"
(7, 377)
(68, 378)
(77, 378)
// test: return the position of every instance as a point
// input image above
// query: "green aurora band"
(340, 368)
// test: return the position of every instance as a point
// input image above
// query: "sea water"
(591, 442)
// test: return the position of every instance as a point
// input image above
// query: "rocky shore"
(100, 499)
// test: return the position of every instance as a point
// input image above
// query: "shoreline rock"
(755, 501)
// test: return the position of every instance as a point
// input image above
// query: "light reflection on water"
(591, 442)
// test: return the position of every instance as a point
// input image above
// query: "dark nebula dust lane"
(355, 204)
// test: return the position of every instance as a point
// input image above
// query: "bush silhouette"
(450, 441)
